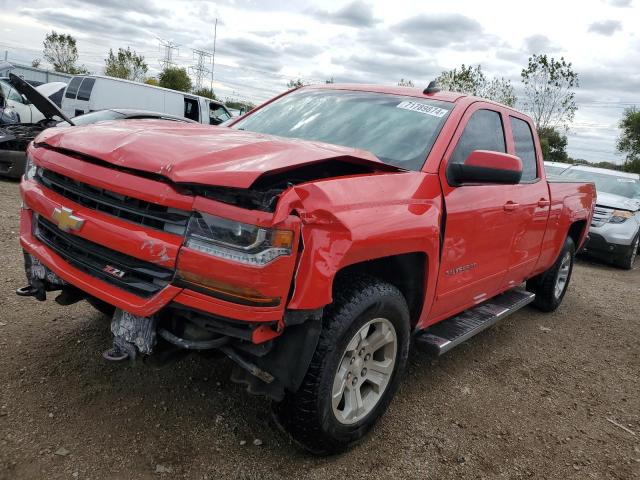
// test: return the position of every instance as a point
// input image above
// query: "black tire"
(307, 415)
(628, 260)
(544, 285)
(103, 307)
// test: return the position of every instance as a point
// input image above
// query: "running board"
(445, 335)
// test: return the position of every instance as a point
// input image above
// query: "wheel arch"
(408, 272)
(577, 232)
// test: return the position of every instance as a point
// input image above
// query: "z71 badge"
(111, 270)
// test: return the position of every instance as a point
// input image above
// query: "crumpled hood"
(617, 201)
(200, 154)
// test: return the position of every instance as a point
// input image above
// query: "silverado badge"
(67, 220)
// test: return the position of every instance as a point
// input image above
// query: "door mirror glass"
(485, 167)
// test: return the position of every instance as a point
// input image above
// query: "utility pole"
(213, 57)
(200, 70)
(168, 47)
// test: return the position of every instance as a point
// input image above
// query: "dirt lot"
(531, 398)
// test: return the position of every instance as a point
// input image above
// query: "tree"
(175, 78)
(35, 63)
(126, 64)
(205, 92)
(329, 81)
(549, 95)
(152, 81)
(554, 145)
(60, 50)
(295, 83)
(472, 81)
(405, 83)
(629, 139)
(239, 105)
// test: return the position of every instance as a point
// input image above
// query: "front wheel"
(355, 371)
(550, 286)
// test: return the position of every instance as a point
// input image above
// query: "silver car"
(615, 229)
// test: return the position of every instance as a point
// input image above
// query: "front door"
(478, 229)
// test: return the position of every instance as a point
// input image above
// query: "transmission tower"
(167, 47)
(199, 70)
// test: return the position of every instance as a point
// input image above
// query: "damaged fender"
(356, 219)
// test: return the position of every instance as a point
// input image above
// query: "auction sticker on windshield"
(422, 108)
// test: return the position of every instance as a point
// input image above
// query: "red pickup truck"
(309, 242)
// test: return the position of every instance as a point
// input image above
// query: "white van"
(89, 93)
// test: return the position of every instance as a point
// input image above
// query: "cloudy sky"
(262, 44)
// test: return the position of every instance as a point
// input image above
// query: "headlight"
(619, 216)
(30, 168)
(239, 242)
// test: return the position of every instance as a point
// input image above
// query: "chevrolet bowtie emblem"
(66, 219)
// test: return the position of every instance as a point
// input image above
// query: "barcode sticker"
(422, 108)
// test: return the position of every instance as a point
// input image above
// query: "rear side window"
(484, 131)
(525, 148)
(72, 89)
(85, 89)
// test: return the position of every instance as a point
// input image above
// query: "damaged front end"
(269, 368)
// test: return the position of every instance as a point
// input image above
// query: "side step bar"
(445, 335)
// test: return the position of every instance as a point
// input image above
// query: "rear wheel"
(355, 370)
(551, 286)
(629, 259)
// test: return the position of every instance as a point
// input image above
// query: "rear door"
(478, 229)
(531, 199)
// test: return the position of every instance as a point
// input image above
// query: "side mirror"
(484, 166)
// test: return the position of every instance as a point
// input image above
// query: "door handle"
(543, 202)
(510, 206)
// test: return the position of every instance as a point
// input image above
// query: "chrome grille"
(126, 208)
(601, 215)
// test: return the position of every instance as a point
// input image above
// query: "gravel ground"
(535, 397)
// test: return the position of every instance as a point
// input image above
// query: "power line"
(167, 47)
(199, 69)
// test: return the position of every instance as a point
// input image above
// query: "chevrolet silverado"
(310, 242)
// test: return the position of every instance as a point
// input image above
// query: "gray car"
(614, 234)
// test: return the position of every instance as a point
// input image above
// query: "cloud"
(539, 44)
(444, 30)
(146, 7)
(384, 69)
(606, 27)
(620, 3)
(116, 25)
(355, 14)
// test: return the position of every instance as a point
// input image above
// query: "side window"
(72, 89)
(484, 131)
(84, 93)
(191, 109)
(525, 148)
(15, 96)
(217, 114)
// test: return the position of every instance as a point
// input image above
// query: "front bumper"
(615, 234)
(149, 245)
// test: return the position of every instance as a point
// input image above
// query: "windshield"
(618, 185)
(94, 117)
(399, 130)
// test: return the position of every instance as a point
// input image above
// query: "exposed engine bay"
(17, 136)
